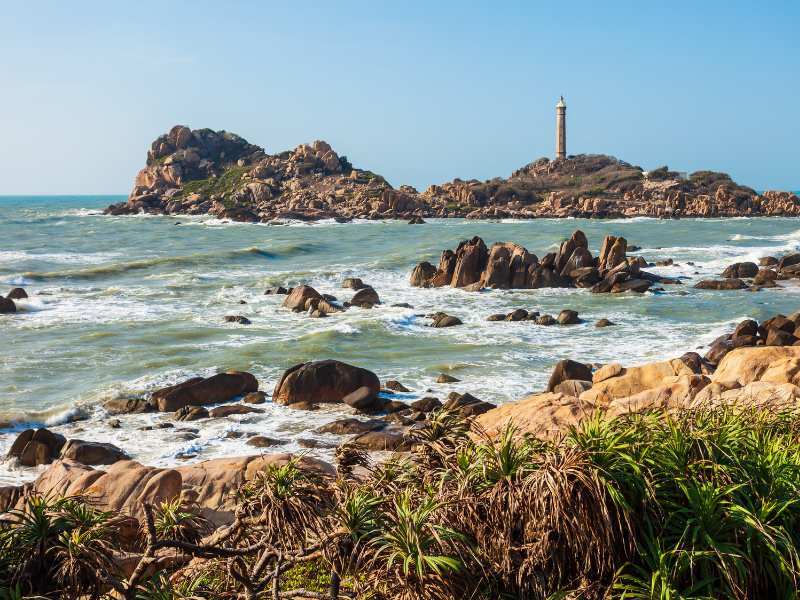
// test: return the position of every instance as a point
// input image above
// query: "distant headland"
(219, 173)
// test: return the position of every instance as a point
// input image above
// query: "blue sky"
(420, 92)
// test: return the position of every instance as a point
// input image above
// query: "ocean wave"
(106, 270)
(12, 256)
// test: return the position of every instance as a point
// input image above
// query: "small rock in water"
(604, 323)
(255, 398)
(445, 378)
(17, 293)
(395, 386)
(261, 441)
(241, 320)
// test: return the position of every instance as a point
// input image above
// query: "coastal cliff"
(219, 173)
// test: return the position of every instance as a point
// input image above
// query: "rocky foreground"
(201, 171)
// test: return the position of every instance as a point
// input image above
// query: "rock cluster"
(42, 446)
(778, 330)
(473, 266)
(219, 173)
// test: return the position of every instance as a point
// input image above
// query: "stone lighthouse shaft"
(561, 129)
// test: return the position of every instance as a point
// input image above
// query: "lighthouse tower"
(561, 129)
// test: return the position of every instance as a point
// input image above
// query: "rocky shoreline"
(199, 172)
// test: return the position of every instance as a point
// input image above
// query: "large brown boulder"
(92, 453)
(568, 369)
(507, 266)
(299, 296)
(200, 391)
(741, 270)
(422, 274)
(471, 258)
(36, 447)
(545, 415)
(323, 381)
(745, 365)
(17, 293)
(632, 380)
(365, 296)
(721, 284)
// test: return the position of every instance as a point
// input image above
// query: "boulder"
(633, 380)
(466, 404)
(721, 284)
(227, 410)
(323, 381)
(261, 441)
(607, 371)
(362, 398)
(745, 365)
(748, 327)
(395, 386)
(604, 323)
(299, 296)
(673, 393)
(240, 319)
(17, 293)
(545, 415)
(118, 406)
(36, 447)
(255, 398)
(765, 277)
(568, 369)
(353, 283)
(471, 258)
(191, 413)
(422, 275)
(741, 270)
(546, 320)
(778, 337)
(631, 285)
(350, 426)
(92, 453)
(572, 387)
(200, 391)
(426, 405)
(568, 317)
(366, 295)
(444, 320)
(445, 378)
(7, 306)
(383, 440)
(517, 315)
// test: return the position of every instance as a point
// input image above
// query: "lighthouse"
(561, 129)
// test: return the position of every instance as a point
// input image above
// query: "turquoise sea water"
(122, 305)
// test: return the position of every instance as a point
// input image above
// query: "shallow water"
(123, 305)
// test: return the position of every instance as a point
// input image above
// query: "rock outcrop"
(202, 171)
(200, 391)
(325, 381)
(473, 266)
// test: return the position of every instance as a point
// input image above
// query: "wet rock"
(323, 381)
(350, 426)
(466, 404)
(426, 405)
(92, 453)
(305, 405)
(365, 296)
(519, 314)
(444, 320)
(721, 284)
(299, 296)
(255, 398)
(568, 317)
(567, 369)
(395, 386)
(767, 261)
(604, 323)
(778, 322)
(788, 261)
(546, 320)
(261, 441)
(191, 413)
(740, 270)
(423, 275)
(393, 406)
(416, 221)
(240, 319)
(36, 447)
(401, 305)
(114, 423)
(118, 406)
(353, 283)
(748, 327)
(280, 290)
(445, 378)
(363, 398)
(7, 306)
(717, 351)
(17, 293)
(228, 410)
(694, 361)
(199, 391)
(311, 443)
(631, 285)
(497, 317)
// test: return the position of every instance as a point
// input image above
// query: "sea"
(120, 306)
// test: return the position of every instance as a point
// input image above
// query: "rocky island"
(219, 173)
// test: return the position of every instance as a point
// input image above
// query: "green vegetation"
(223, 185)
(701, 505)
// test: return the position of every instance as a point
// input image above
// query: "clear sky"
(420, 92)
